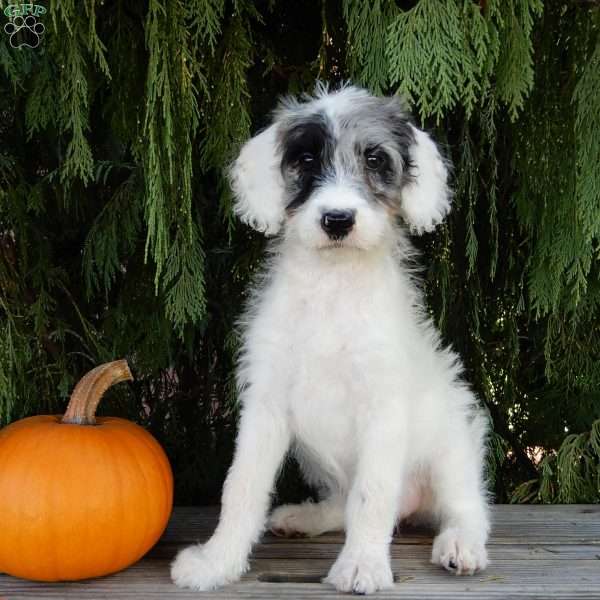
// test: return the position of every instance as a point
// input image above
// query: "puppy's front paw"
(458, 552)
(204, 568)
(361, 572)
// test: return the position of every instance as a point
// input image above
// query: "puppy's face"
(338, 170)
(344, 166)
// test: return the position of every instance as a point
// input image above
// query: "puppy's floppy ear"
(257, 183)
(426, 196)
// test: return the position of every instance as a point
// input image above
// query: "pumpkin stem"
(90, 389)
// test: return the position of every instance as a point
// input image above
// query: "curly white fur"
(341, 364)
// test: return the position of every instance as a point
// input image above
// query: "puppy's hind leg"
(309, 518)
(460, 502)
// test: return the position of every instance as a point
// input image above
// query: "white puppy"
(340, 363)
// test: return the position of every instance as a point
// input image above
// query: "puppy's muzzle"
(337, 223)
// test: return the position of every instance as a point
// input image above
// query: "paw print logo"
(24, 31)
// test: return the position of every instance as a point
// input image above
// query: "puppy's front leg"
(363, 566)
(262, 442)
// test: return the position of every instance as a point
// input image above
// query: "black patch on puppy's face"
(307, 154)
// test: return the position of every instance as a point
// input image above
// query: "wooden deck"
(545, 552)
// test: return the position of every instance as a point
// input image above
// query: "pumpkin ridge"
(159, 505)
(122, 448)
(143, 436)
(109, 448)
(39, 446)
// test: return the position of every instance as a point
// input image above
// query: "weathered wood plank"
(308, 550)
(260, 591)
(150, 580)
(537, 552)
(539, 524)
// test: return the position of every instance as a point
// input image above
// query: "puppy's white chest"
(327, 391)
(324, 421)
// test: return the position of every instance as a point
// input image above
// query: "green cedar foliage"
(117, 236)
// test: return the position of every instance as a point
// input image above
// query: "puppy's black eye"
(376, 161)
(306, 159)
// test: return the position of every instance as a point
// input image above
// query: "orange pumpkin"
(80, 496)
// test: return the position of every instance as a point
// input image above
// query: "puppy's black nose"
(337, 223)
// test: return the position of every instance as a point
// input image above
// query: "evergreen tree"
(117, 236)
